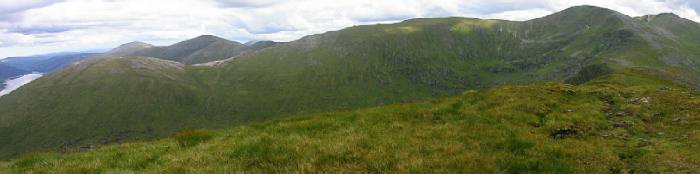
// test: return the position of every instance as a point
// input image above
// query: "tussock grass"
(192, 137)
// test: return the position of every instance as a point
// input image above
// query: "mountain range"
(202, 49)
(13, 67)
(139, 91)
(7, 72)
(45, 63)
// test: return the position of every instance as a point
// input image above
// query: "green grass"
(621, 123)
(133, 99)
(117, 100)
(192, 137)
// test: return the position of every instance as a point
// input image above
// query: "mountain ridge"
(201, 49)
(354, 67)
(130, 48)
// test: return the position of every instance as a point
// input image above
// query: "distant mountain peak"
(662, 16)
(207, 38)
(201, 49)
(587, 7)
(201, 42)
(587, 10)
(669, 15)
(130, 47)
(136, 44)
(253, 42)
(573, 19)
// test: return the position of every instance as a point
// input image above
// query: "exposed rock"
(562, 133)
(623, 124)
(639, 100)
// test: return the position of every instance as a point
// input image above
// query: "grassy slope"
(121, 108)
(412, 60)
(355, 67)
(623, 122)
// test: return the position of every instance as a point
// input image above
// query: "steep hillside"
(355, 67)
(133, 98)
(676, 42)
(621, 123)
(201, 49)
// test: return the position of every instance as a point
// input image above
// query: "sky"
(30, 27)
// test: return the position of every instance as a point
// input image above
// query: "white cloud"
(245, 3)
(12, 6)
(41, 26)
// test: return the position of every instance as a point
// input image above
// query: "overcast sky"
(29, 27)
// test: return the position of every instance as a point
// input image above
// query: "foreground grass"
(622, 123)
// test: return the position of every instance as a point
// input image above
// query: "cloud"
(41, 29)
(42, 26)
(244, 3)
(519, 15)
(10, 39)
(12, 6)
(501, 6)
